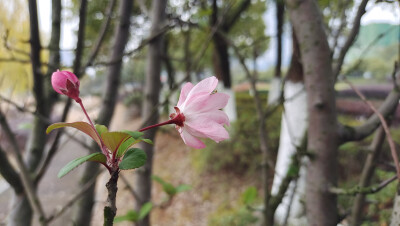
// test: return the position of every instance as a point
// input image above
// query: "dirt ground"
(172, 162)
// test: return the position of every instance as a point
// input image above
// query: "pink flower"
(199, 115)
(66, 83)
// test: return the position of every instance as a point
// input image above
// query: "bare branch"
(143, 8)
(367, 174)
(11, 48)
(138, 48)
(384, 125)
(100, 38)
(350, 39)
(365, 190)
(23, 108)
(25, 176)
(347, 133)
(9, 173)
(14, 59)
(231, 19)
(130, 188)
(67, 205)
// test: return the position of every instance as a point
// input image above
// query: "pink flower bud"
(66, 83)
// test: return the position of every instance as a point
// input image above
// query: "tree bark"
(83, 209)
(21, 211)
(221, 62)
(293, 128)
(151, 99)
(280, 12)
(275, 85)
(322, 127)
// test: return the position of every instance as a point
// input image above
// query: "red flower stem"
(171, 121)
(79, 101)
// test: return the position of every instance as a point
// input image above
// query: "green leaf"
(134, 134)
(125, 145)
(133, 158)
(131, 215)
(182, 188)
(113, 139)
(249, 196)
(101, 128)
(95, 157)
(147, 141)
(145, 210)
(82, 126)
(167, 187)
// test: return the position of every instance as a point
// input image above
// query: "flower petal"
(191, 141)
(217, 116)
(202, 127)
(204, 103)
(184, 92)
(207, 85)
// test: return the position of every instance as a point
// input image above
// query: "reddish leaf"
(82, 126)
(114, 139)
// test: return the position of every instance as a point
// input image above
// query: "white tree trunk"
(294, 124)
(395, 221)
(274, 91)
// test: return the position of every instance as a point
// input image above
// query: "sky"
(382, 12)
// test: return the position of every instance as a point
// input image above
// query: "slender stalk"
(171, 121)
(79, 101)
(103, 147)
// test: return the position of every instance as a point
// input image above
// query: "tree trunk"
(151, 99)
(322, 127)
(280, 12)
(84, 207)
(395, 220)
(293, 128)
(21, 211)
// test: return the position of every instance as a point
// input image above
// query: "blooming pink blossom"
(66, 83)
(199, 115)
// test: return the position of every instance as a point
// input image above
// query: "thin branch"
(14, 59)
(142, 44)
(231, 19)
(350, 39)
(365, 190)
(9, 173)
(23, 108)
(130, 188)
(143, 8)
(368, 48)
(384, 125)
(367, 174)
(67, 205)
(10, 48)
(100, 39)
(25, 176)
(347, 133)
(343, 24)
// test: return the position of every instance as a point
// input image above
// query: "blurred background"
(132, 57)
